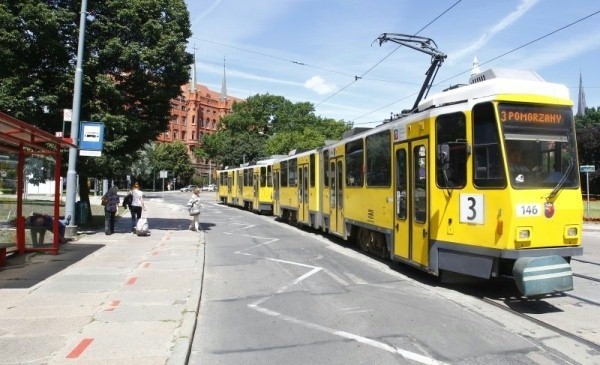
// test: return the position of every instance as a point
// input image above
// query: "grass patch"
(8, 208)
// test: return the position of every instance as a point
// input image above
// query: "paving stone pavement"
(106, 299)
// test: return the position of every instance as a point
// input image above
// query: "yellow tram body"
(298, 188)
(442, 188)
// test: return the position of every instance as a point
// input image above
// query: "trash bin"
(81, 212)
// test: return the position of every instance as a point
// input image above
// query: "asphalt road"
(273, 293)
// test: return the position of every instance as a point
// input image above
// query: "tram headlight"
(571, 232)
(523, 234)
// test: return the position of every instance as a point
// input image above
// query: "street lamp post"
(71, 229)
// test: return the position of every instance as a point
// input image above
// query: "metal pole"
(587, 177)
(71, 229)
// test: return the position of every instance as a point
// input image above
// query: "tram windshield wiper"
(561, 182)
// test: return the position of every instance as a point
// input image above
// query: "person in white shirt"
(137, 205)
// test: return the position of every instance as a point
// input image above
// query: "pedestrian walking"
(110, 200)
(194, 209)
(137, 205)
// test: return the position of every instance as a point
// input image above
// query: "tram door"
(229, 185)
(275, 191)
(411, 216)
(255, 188)
(303, 214)
(336, 196)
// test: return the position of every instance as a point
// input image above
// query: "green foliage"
(38, 169)
(173, 158)
(266, 125)
(134, 64)
(588, 144)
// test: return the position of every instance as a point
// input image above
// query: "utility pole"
(71, 229)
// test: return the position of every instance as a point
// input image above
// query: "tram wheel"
(364, 239)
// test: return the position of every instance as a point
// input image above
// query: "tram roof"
(496, 82)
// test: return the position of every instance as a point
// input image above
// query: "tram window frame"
(487, 161)
(378, 159)
(326, 168)
(354, 160)
(284, 174)
(451, 130)
(293, 172)
(546, 150)
(419, 193)
(263, 176)
(401, 184)
(311, 161)
(269, 176)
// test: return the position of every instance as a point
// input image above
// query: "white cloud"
(319, 85)
(497, 28)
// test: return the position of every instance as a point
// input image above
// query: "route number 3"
(472, 208)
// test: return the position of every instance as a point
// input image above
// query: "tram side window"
(269, 176)
(401, 184)
(378, 159)
(420, 183)
(284, 173)
(451, 131)
(312, 170)
(263, 176)
(326, 168)
(293, 181)
(488, 170)
(354, 163)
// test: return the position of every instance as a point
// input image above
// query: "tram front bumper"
(542, 275)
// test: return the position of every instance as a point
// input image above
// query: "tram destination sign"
(587, 168)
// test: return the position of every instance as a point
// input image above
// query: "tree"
(266, 125)
(173, 158)
(588, 143)
(134, 64)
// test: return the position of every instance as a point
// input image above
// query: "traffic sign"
(587, 168)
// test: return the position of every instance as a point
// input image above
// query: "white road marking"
(315, 269)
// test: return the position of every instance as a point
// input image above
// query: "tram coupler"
(536, 276)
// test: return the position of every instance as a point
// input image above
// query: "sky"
(326, 51)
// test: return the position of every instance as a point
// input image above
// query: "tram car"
(249, 186)
(480, 180)
(298, 190)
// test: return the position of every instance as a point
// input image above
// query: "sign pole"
(587, 178)
(71, 229)
(587, 169)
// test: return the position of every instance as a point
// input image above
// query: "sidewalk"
(106, 299)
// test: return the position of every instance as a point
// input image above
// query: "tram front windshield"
(539, 143)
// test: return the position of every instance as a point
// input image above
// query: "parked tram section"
(479, 180)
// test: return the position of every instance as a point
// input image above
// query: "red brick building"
(195, 113)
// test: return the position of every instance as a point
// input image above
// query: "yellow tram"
(480, 180)
(249, 186)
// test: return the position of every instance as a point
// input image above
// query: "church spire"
(475, 68)
(193, 71)
(581, 99)
(224, 85)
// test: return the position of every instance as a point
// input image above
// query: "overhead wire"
(483, 63)
(356, 78)
(299, 63)
(274, 57)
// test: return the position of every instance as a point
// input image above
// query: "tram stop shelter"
(29, 158)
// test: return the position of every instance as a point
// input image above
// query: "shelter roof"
(16, 134)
